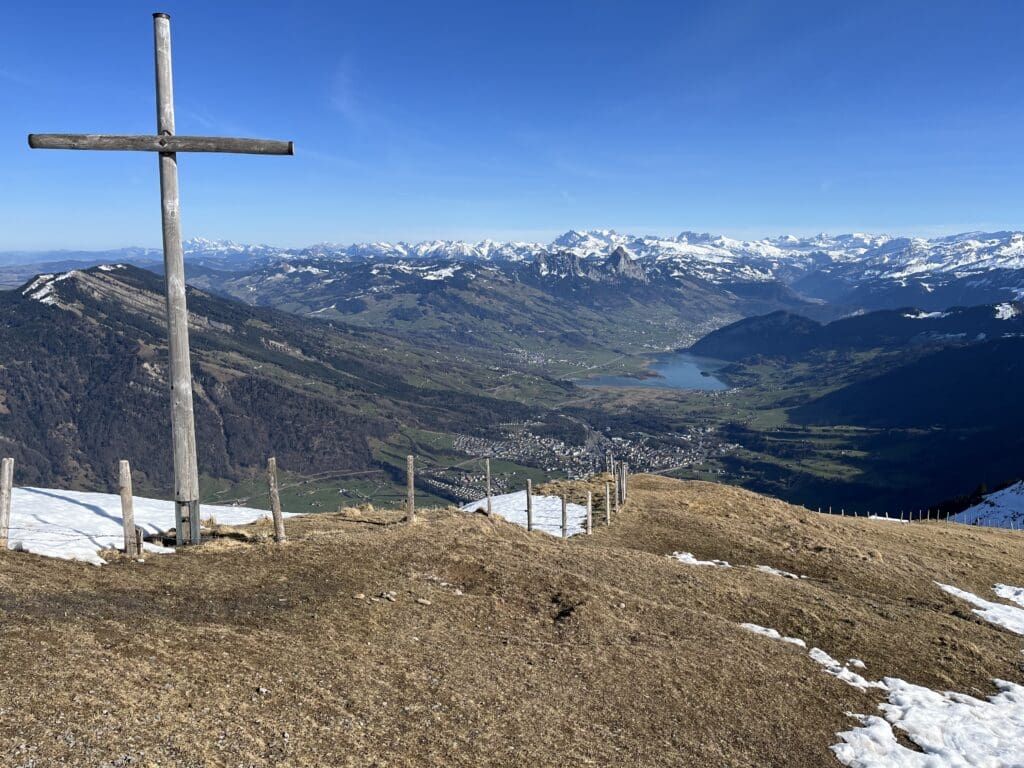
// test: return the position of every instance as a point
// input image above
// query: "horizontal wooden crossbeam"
(159, 143)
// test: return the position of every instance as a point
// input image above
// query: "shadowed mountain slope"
(82, 384)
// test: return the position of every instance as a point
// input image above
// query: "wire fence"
(533, 511)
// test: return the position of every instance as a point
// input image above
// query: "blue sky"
(519, 120)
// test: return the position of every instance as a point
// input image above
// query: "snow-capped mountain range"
(850, 257)
(856, 270)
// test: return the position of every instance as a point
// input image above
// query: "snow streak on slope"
(951, 730)
(1006, 616)
(689, 559)
(777, 572)
(75, 525)
(774, 634)
(1015, 594)
(547, 512)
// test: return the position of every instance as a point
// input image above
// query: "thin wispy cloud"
(344, 99)
(14, 77)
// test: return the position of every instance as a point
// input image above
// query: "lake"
(675, 370)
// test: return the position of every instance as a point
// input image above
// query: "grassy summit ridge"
(499, 647)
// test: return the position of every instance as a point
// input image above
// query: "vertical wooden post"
(565, 519)
(275, 499)
(590, 513)
(625, 481)
(140, 537)
(6, 492)
(410, 489)
(183, 428)
(529, 504)
(131, 541)
(487, 467)
(607, 503)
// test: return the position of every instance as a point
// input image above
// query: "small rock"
(423, 601)
(262, 691)
(622, 605)
(359, 596)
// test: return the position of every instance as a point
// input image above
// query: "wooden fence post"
(6, 492)
(529, 505)
(590, 513)
(607, 503)
(131, 541)
(565, 519)
(487, 467)
(410, 489)
(275, 499)
(625, 481)
(140, 537)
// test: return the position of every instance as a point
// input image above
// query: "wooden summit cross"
(186, 473)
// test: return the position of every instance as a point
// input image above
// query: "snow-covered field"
(75, 525)
(1003, 509)
(547, 512)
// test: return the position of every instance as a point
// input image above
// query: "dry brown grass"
(532, 652)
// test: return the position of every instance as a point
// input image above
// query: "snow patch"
(1006, 616)
(76, 525)
(777, 572)
(547, 512)
(1006, 311)
(689, 559)
(1014, 594)
(843, 671)
(951, 730)
(440, 274)
(774, 634)
(1004, 509)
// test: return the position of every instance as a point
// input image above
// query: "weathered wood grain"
(159, 143)
(275, 499)
(487, 469)
(529, 504)
(410, 490)
(186, 472)
(6, 491)
(124, 485)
